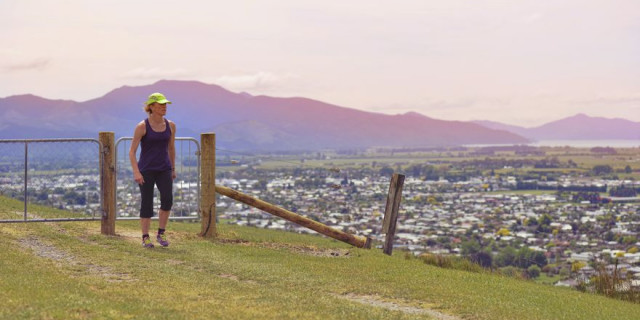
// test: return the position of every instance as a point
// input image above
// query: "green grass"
(545, 279)
(252, 273)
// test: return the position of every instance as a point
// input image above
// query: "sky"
(521, 62)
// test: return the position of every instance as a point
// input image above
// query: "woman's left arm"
(172, 149)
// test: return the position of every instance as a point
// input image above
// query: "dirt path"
(64, 258)
(377, 302)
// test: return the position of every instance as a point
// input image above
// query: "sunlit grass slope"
(70, 271)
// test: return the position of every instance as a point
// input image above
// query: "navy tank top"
(154, 155)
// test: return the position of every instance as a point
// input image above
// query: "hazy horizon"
(524, 63)
(238, 92)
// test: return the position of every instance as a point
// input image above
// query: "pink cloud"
(30, 64)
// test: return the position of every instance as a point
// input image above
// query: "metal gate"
(59, 173)
(186, 195)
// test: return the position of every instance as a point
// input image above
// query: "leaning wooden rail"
(358, 241)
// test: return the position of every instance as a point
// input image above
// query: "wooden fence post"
(208, 185)
(391, 211)
(108, 184)
(358, 241)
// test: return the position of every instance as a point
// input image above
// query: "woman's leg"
(165, 186)
(146, 202)
(163, 218)
(144, 225)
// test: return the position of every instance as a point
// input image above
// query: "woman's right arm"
(137, 136)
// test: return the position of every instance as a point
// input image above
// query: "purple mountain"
(240, 120)
(578, 127)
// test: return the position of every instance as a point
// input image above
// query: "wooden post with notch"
(208, 185)
(391, 211)
(108, 183)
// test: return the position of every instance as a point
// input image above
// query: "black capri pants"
(164, 182)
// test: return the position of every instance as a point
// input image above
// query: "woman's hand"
(173, 174)
(137, 176)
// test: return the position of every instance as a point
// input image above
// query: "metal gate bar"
(26, 159)
(50, 220)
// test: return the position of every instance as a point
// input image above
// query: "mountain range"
(578, 127)
(243, 121)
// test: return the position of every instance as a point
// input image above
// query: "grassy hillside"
(70, 271)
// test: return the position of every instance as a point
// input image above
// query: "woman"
(156, 166)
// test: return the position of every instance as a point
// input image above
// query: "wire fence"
(65, 174)
(49, 174)
(186, 187)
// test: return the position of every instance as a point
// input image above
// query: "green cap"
(157, 97)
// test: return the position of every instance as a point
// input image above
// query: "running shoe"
(146, 242)
(162, 239)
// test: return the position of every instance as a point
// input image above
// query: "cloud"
(156, 73)
(258, 81)
(12, 64)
